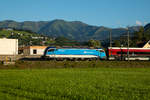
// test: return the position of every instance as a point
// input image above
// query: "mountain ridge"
(75, 30)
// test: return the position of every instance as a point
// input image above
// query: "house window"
(34, 51)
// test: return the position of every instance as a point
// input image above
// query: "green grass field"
(75, 84)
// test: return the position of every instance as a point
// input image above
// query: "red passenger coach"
(121, 53)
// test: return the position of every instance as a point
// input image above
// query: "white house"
(8, 46)
(33, 50)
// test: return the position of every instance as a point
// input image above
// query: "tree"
(117, 43)
(50, 42)
(140, 38)
(62, 41)
(140, 34)
(94, 43)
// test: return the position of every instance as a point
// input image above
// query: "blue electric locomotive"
(74, 53)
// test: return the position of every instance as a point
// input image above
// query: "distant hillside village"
(25, 37)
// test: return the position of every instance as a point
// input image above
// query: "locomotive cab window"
(101, 50)
(51, 50)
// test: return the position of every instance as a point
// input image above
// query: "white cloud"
(138, 23)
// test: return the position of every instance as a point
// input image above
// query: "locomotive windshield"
(51, 50)
(101, 50)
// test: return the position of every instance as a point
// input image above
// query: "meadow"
(75, 84)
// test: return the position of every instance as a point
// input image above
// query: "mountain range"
(75, 30)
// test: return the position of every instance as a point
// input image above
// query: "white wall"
(8, 46)
(39, 51)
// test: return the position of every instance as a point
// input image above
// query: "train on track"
(124, 53)
(112, 53)
(74, 53)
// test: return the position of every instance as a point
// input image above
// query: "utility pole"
(110, 40)
(128, 44)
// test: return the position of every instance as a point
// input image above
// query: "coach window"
(34, 51)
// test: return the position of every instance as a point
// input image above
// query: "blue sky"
(109, 13)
